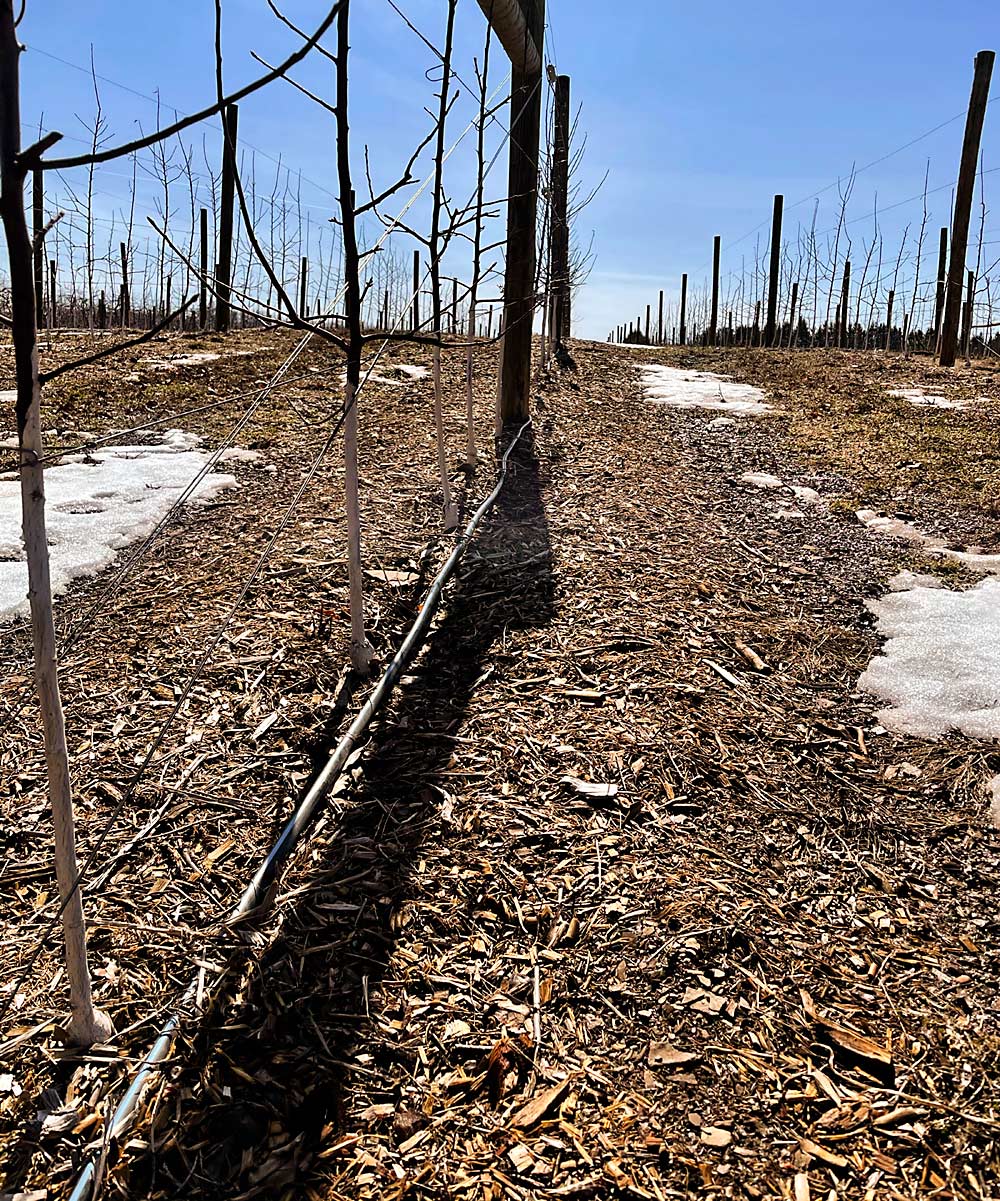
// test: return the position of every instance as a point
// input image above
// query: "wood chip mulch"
(631, 895)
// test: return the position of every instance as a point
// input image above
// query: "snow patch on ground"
(721, 423)
(939, 669)
(761, 479)
(809, 495)
(892, 527)
(917, 396)
(239, 454)
(902, 581)
(935, 548)
(410, 371)
(682, 389)
(97, 504)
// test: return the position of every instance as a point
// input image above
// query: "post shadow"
(278, 1051)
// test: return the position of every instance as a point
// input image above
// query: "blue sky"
(698, 113)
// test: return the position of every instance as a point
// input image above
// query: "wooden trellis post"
(963, 206)
(519, 26)
(775, 270)
(684, 305)
(203, 296)
(227, 197)
(560, 272)
(713, 329)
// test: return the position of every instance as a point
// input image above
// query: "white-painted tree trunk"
(86, 1024)
(450, 511)
(361, 651)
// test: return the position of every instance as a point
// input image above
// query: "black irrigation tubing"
(136, 779)
(254, 897)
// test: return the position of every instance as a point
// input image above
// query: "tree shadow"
(263, 1087)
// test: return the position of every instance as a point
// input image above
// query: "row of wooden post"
(953, 314)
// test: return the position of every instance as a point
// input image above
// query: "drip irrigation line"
(137, 777)
(196, 996)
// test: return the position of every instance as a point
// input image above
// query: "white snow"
(939, 669)
(892, 527)
(239, 454)
(916, 396)
(96, 504)
(809, 495)
(902, 581)
(410, 371)
(682, 389)
(9, 396)
(721, 423)
(935, 548)
(761, 479)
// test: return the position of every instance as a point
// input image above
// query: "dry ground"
(759, 961)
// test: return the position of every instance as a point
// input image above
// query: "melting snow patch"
(239, 454)
(721, 423)
(937, 548)
(95, 506)
(940, 667)
(681, 389)
(410, 371)
(916, 396)
(893, 527)
(760, 479)
(902, 581)
(808, 495)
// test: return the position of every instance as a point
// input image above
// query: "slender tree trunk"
(87, 1024)
(360, 649)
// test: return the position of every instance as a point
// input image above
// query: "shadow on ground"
(263, 1089)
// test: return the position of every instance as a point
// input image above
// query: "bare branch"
(29, 159)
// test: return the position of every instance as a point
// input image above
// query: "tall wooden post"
(102, 311)
(415, 318)
(52, 293)
(713, 329)
(659, 324)
(647, 321)
(203, 268)
(684, 304)
(775, 270)
(522, 202)
(941, 277)
(963, 206)
(844, 309)
(38, 250)
(304, 287)
(559, 275)
(888, 320)
(227, 197)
